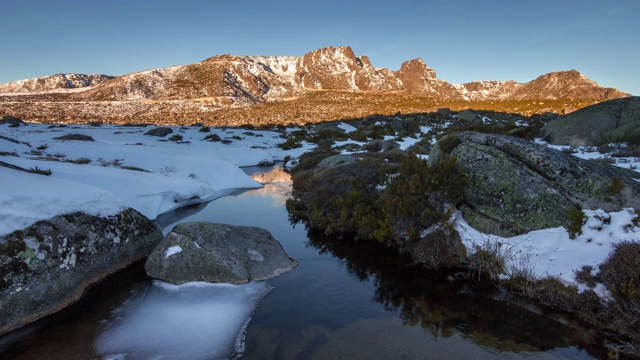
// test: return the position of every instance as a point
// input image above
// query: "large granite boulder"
(616, 120)
(50, 264)
(517, 186)
(217, 253)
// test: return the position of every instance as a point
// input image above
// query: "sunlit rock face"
(191, 321)
(217, 253)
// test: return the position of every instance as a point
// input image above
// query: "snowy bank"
(123, 167)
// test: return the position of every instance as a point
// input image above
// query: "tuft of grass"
(81, 161)
(37, 170)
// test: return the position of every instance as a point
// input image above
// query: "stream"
(346, 300)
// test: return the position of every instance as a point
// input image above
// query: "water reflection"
(445, 305)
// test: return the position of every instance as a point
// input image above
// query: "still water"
(344, 301)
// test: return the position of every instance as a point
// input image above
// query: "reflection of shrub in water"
(428, 299)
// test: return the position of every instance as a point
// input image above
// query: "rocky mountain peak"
(417, 67)
(233, 80)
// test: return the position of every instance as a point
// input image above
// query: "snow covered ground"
(124, 168)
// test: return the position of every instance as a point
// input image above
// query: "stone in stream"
(217, 253)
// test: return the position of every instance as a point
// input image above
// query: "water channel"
(344, 301)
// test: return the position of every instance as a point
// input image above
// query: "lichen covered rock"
(217, 253)
(517, 186)
(616, 120)
(50, 264)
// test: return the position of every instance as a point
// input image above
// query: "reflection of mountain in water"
(446, 307)
(277, 183)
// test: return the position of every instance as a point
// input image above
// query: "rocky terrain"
(207, 90)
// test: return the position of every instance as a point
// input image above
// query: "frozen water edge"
(191, 321)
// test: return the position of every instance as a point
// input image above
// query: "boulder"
(470, 117)
(79, 137)
(217, 253)
(50, 264)
(11, 120)
(159, 131)
(616, 120)
(336, 160)
(517, 186)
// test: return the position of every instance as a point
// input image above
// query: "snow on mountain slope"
(230, 80)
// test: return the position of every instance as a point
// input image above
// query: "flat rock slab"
(217, 253)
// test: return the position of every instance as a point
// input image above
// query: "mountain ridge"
(204, 89)
(247, 79)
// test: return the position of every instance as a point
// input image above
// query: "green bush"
(376, 200)
(290, 144)
(576, 219)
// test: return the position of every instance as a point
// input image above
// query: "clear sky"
(463, 40)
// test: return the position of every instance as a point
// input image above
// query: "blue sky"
(463, 40)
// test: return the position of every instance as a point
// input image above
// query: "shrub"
(81, 161)
(576, 219)
(407, 208)
(176, 138)
(448, 143)
(621, 271)
(37, 170)
(290, 144)
(205, 129)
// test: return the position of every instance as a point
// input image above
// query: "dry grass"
(311, 107)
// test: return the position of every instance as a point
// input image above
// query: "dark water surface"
(344, 301)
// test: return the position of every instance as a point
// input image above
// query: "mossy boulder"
(517, 186)
(217, 253)
(616, 120)
(49, 265)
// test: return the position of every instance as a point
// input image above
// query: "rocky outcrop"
(159, 131)
(11, 121)
(217, 253)
(517, 186)
(615, 120)
(50, 264)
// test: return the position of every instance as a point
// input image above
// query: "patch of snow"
(551, 253)
(172, 251)
(346, 127)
